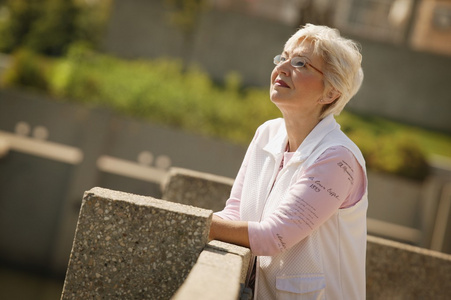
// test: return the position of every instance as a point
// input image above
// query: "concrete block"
(197, 188)
(220, 269)
(133, 247)
(243, 252)
(400, 271)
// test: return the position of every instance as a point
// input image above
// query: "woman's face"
(298, 89)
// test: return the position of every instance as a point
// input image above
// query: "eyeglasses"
(297, 62)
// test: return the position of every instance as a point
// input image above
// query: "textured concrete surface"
(243, 252)
(400, 271)
(196, 188)
(133, 247)
(218, 273)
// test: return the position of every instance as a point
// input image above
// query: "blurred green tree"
(18, 17)
(55, 28)
(50, 26)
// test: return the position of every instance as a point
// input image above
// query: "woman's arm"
(234, 232)
(335, 181)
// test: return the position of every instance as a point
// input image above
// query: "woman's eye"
(298, 63)
(282, 59)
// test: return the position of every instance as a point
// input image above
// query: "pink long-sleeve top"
(336, 171)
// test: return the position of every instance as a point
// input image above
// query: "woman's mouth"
(281, 83)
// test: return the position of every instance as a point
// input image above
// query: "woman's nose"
(284, 67)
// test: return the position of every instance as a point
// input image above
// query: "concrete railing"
(196, 188)
(219, 273)
(133, 247)
(129, 246)
(400, 271)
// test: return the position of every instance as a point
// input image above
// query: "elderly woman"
(299, 201)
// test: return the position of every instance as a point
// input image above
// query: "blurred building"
(406, 45)
(423, 24)
(432, 29)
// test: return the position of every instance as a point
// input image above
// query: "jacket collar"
(278, 143)
(276, 146)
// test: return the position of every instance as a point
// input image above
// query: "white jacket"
(330, 262)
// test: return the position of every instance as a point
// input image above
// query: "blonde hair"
(342, 62)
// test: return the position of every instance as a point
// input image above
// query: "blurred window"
(284, 11)
(385, 20)
(432, 28)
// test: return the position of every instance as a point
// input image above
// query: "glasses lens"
(277, 59)
(298, 62)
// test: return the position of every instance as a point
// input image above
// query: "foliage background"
(55, 47)
(50, 26)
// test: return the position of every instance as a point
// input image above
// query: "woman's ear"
(330, 96)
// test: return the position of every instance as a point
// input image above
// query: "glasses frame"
(277, 61)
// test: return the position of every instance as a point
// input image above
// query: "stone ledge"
(217, 274)
(400, 271)
(196, 188)
(133, 247)
(243, 252)
(145, 201)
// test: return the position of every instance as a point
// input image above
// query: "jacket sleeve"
(334, 181)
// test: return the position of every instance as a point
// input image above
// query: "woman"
(300, 198)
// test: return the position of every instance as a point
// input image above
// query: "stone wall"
(219, 274)
(196, 188)
(400, 271)
(133, 247)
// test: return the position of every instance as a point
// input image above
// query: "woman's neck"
(298, 129)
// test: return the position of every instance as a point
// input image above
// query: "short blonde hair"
(342, 62)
